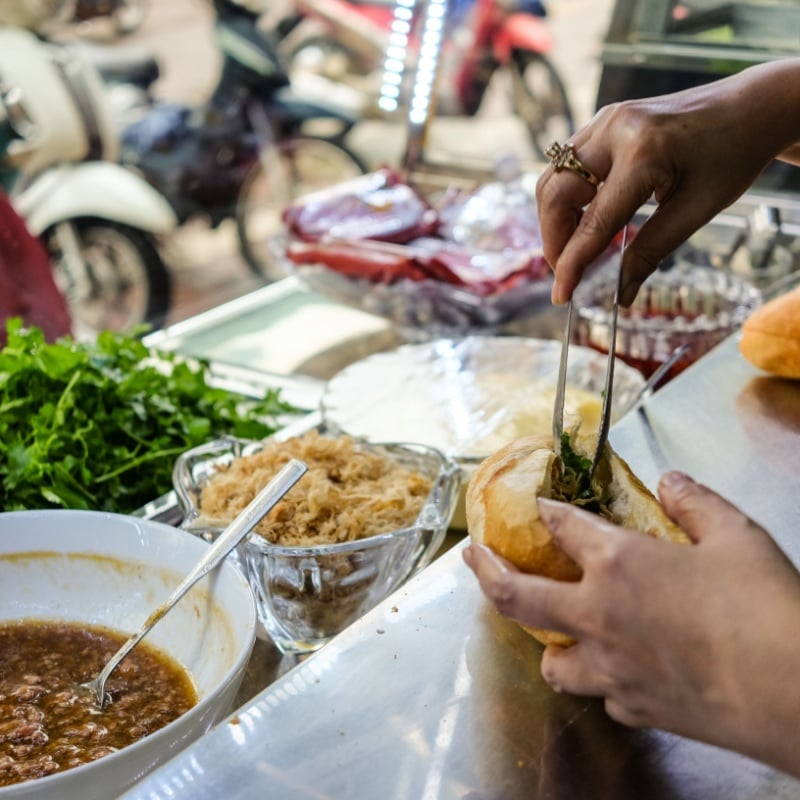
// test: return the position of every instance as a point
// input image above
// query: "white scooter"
(98, 220)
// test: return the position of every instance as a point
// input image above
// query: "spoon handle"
(245, 521)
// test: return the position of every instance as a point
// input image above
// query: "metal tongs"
(605, 419)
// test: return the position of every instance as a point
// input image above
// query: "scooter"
(98, 220)
(246, 152)
(491, 48)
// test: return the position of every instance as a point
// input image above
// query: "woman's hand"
(697, 640)
(694, 152)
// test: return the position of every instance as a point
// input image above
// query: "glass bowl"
(305, 595)
(696, 306)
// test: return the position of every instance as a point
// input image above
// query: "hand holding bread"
(502, 505)
(695, 640)
(691, 640)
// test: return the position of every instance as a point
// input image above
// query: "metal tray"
(434, 695)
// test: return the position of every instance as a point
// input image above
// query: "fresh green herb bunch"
(99, 425)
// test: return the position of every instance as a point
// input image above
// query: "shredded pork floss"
(349, 492)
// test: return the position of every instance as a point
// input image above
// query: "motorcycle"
(98, 220)
(491, 48)
(250, 149)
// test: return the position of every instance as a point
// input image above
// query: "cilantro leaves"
(99, 425)
(575, 481)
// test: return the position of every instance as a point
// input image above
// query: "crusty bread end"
(771, 336)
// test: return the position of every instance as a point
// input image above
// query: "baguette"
(771, 336)
(503, 513)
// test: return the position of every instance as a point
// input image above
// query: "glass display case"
(658, 46)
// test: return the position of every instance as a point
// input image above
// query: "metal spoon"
(230, 537)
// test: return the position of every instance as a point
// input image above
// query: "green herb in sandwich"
(572, 480)
(99, 425)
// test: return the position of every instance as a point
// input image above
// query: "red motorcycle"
(496, 49)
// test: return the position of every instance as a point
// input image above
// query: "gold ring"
(563, 157)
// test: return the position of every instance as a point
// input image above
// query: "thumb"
(696, 509)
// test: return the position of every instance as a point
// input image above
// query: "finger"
(565, 670)
(561, 198)
(698, 510)
(474, 554)
(626, 714)
(580, 534)
(562, 204)
(571, 670)
(558, 220)
(671, 224)
(530, 599)
(615, 204)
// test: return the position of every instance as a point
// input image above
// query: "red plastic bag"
(375, 206)
(27, 288)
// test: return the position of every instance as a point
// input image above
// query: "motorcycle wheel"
(538, 96)
(124, 281)
(293, 168)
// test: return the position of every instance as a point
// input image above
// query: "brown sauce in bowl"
(49, 724)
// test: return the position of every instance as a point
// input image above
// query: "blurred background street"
(205, 264)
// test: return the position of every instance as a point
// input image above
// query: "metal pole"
(422, 101)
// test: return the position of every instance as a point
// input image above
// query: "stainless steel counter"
(434, 695)
(287, 329)
(283, 329)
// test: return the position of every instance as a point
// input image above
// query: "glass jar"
(698, 306)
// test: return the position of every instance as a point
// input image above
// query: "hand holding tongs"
(558, 410)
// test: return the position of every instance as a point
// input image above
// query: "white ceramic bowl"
(134, 566)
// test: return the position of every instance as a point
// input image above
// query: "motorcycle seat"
(296, 109)
(134, 65)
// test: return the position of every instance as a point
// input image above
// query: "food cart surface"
(434, 695)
